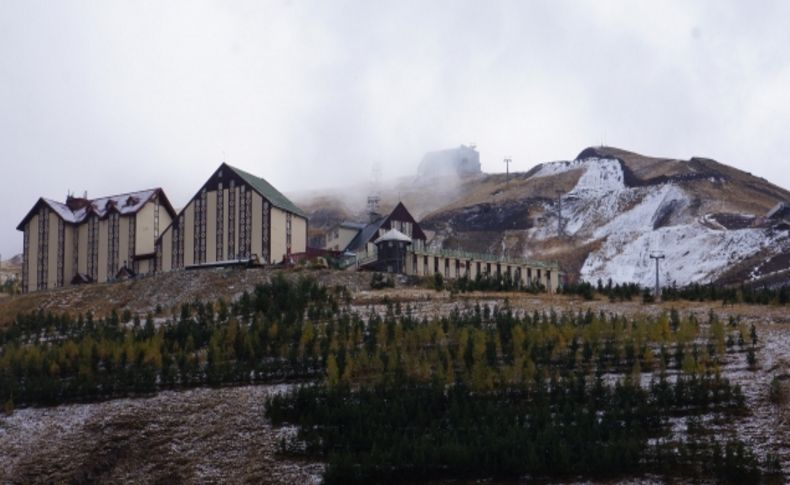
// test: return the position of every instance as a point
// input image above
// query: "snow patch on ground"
(602, 175)
(554, 168)
(626, 219)
(694, 253)
(642, 217)
(599, 195)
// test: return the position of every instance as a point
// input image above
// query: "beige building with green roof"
(235, 216)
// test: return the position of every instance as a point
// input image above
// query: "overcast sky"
(111, 96)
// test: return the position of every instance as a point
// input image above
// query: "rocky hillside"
(617, 208)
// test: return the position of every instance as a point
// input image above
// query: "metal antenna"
(508, 161)
(657, 256)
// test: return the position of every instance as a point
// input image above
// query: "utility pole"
(508, 161)
(559, 213)
(657, 257)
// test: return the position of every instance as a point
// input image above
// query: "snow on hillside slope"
(694, 253)
(633, 222)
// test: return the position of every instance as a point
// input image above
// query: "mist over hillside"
(601, 214)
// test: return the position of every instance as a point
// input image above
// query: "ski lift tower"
(657, 256)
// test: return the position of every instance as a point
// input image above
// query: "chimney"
(77, 203)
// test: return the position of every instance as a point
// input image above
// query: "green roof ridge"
(267, 190)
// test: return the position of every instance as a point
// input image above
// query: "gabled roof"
(362, 238)
(399, 213)
(124, 204)
(274, 196)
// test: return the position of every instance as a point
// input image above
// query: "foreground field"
(729, 415)
(192, 436)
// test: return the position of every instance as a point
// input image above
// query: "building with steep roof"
(364, 243)
(234, 216)
(91, 240)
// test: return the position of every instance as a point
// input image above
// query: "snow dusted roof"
(124, 204)
(393, 235)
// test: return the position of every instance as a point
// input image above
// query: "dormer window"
(131, 201)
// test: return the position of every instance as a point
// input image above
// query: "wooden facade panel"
(167, 250)
(82, 245)
(144, 239)
(278, 235)
(69, 250)
(298, 234)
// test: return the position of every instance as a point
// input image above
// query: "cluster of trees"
(729, 295)
(693, 292)
(408, 431)
(486, 348)
(494, 282)
(48, 359)
(615, 292)
(480, 391)
(482, 282)
(303, 330)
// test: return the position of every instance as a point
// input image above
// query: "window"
(220, 219)
(156, 218)
(113, 236)
(132, 237)
(242, 220)
(199, 232)
(93, 246)
(266, 223)
(43, 248)
(232, 221)
(61, 251)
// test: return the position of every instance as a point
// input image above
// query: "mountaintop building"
(461, 161)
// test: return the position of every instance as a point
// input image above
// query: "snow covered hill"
(708, 219)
